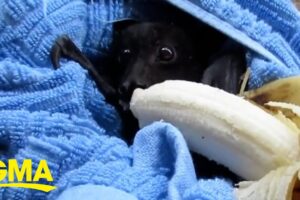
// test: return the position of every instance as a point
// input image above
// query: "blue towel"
(270, 29)
(61, 117)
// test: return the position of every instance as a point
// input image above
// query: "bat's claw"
(59, 49)
(55, 55)
(64, 47)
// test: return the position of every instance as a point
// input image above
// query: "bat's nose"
(127, 87)
(125, 91)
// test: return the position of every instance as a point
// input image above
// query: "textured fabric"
(271, 29)
(60, 116)
(95, 192)
(161, 168)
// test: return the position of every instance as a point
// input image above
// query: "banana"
(221, 126)
(281, 90)
(280, 184)
(282, 96)
(290, 111)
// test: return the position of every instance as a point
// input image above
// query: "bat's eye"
(124, 55)
(166, 54)
(126, 51)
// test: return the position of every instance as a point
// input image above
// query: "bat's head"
(150, 53)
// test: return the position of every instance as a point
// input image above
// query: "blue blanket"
(61, 117)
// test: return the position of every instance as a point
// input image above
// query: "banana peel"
(281, 98)
(280, 184)
(290, 111)
(282, 90)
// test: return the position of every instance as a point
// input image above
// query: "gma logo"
(15, 175)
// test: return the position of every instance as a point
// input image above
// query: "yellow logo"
(16, 175)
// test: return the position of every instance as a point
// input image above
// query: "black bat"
(150, 53)
(147, 53)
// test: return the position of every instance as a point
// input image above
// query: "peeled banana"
(221, 126)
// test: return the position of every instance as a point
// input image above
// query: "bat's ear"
(120, 25)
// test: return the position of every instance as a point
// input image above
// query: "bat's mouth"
(124, 104)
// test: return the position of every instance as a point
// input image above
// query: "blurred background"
(297, 3)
